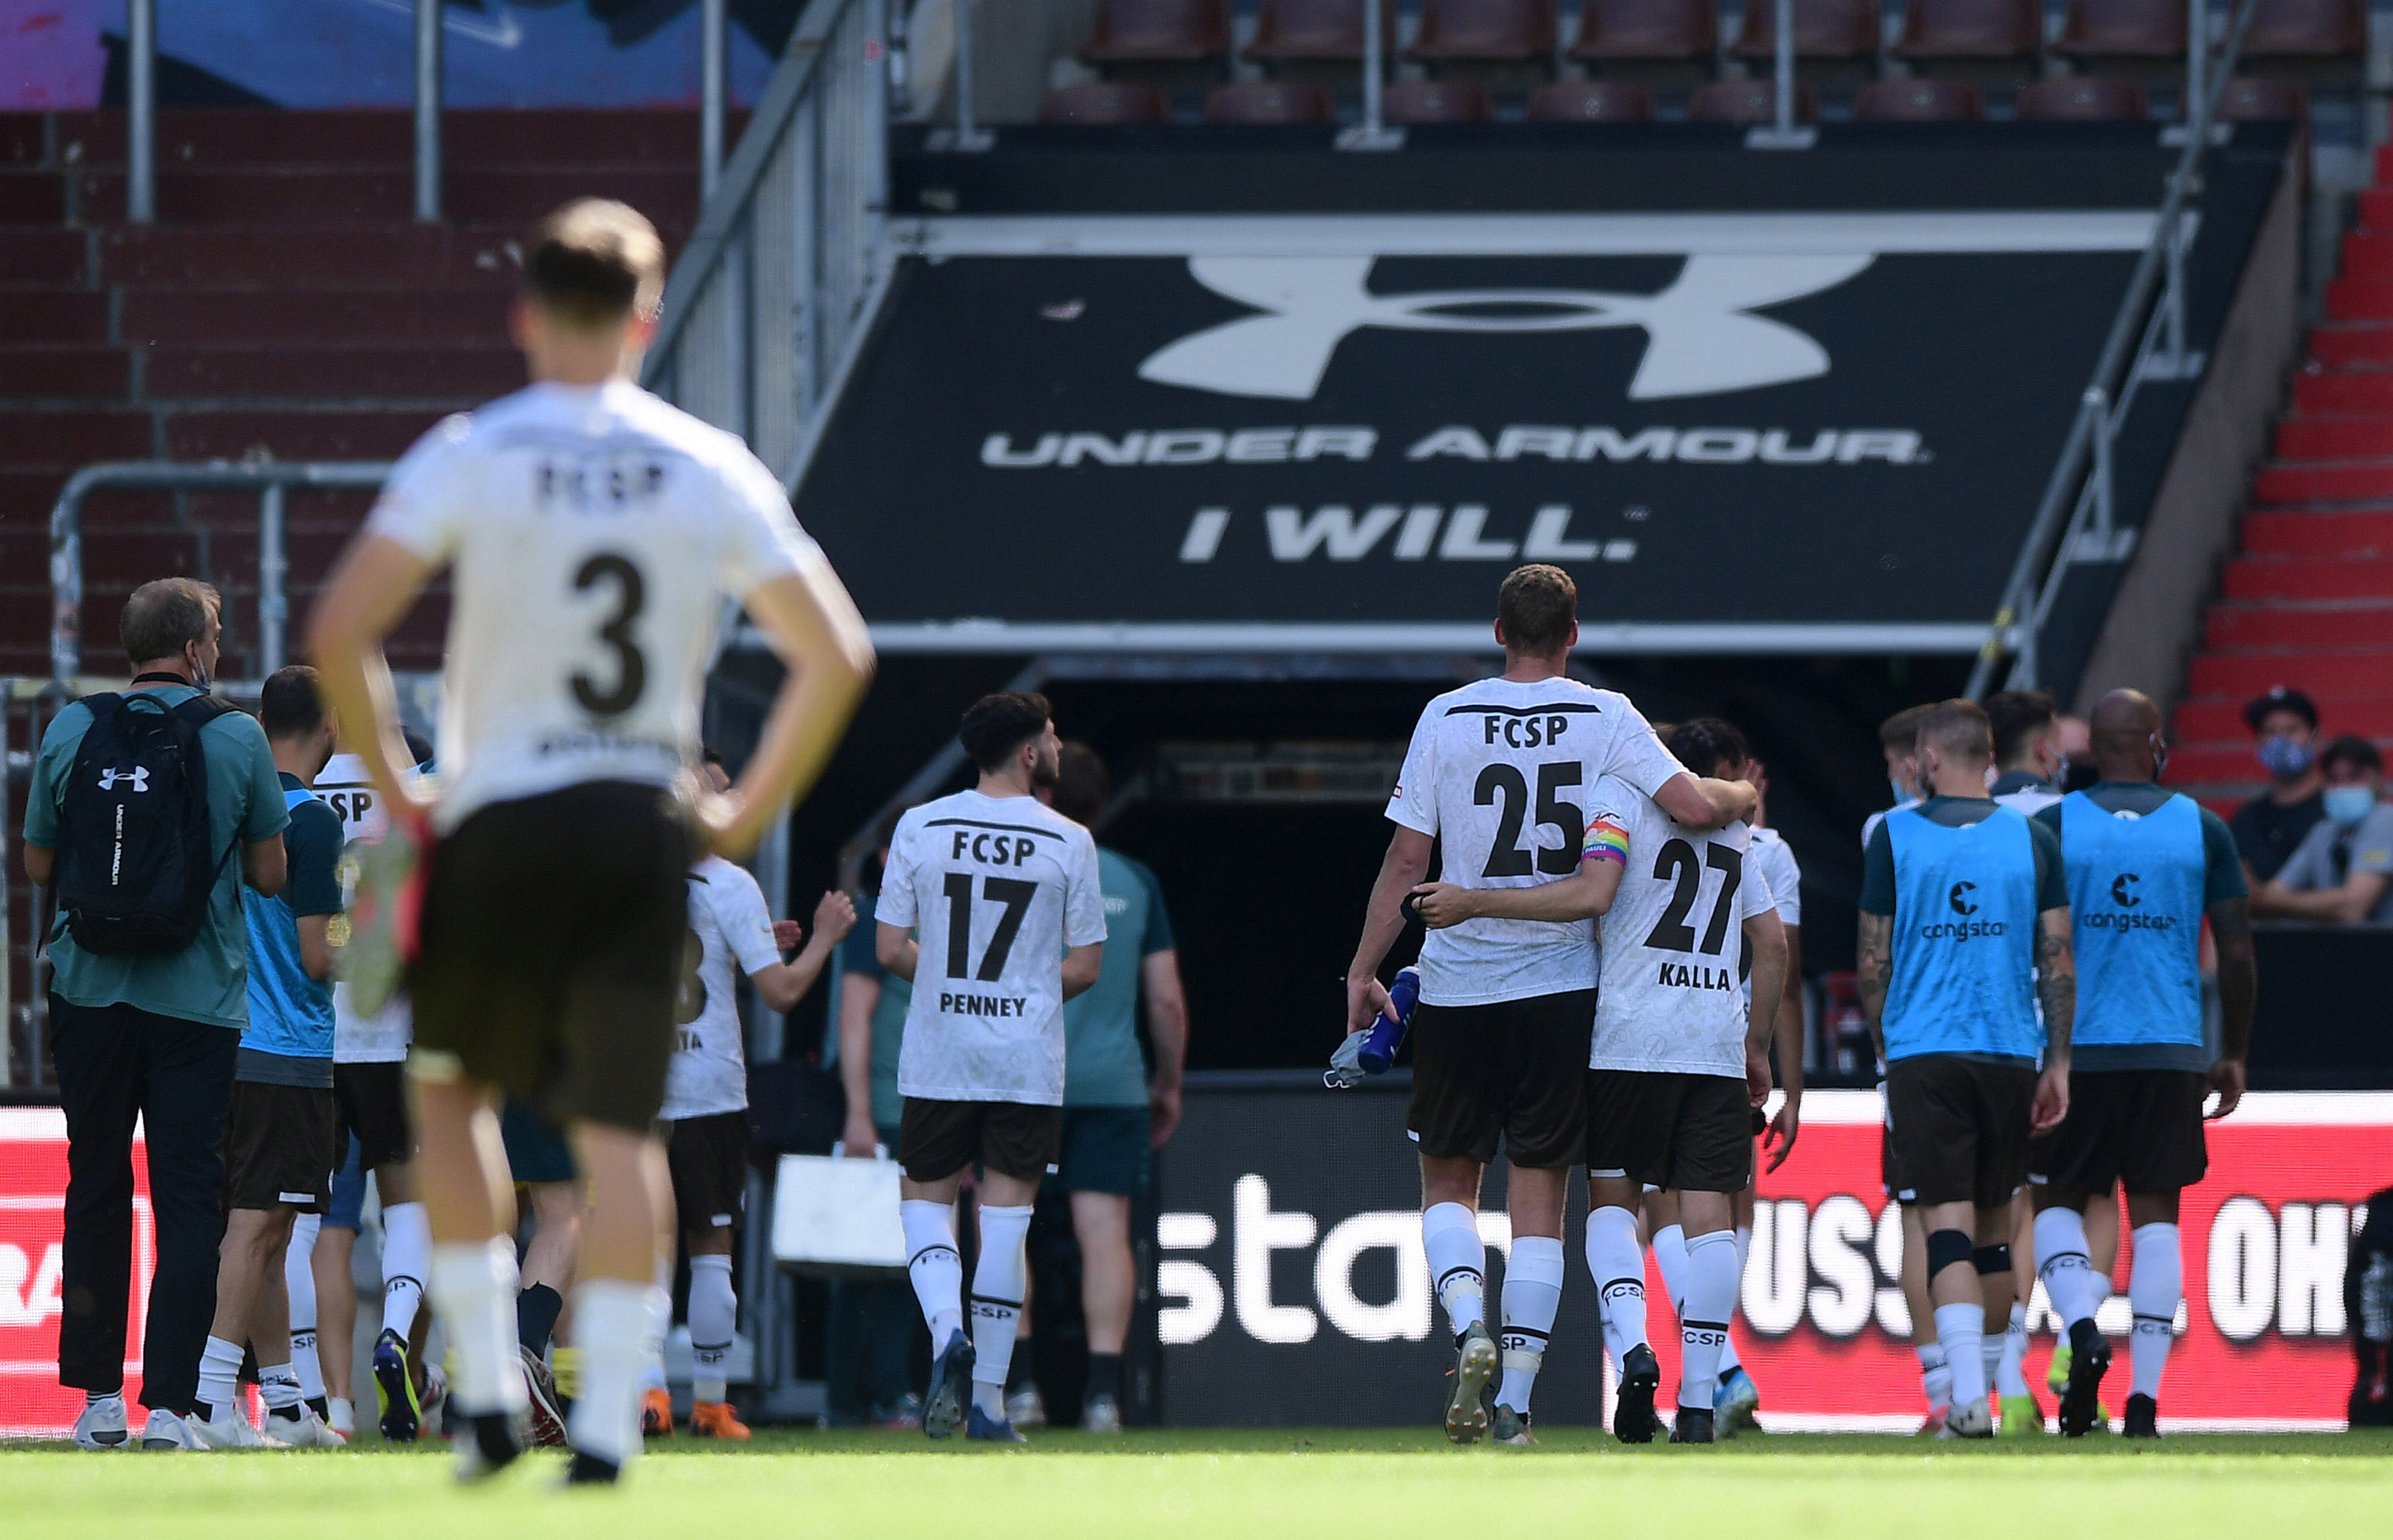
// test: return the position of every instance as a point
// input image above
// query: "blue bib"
(289, 1013)
(2136, 887)
(1964, 938)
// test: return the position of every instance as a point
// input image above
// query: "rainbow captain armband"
(1607, 840)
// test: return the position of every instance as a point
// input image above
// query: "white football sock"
(2067, 1272)
(340, 1416)
(2010, 1371)
(1702, 1327)
(406, 1261)
(220, 1376)
(997, 1291)
(1533, 1292)
(1670, 1261)
(714, 1320)
(277, 1385)
(934, 1267)
(1457, 1263)
(1617, 1264)
(1935, 1379)
(612, 1320)
(299, 1283)
(474, 1286)
(652, 1374)
(1728, 1362)
(1962, 1330)
(2155, 1284)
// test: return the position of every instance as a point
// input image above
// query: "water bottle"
(1386, 1034)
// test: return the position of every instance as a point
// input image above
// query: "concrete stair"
(285, 304)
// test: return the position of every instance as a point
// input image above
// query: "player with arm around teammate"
(2145, 867)
(1499, 772)
(1677, 1066)
(1005, 895)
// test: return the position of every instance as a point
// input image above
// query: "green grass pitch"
(1243, 1484)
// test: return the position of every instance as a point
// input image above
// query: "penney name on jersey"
(591, 532)
(1671, 1001)
(1499, 772)
(997, 888)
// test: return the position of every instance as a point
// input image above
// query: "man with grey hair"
(147, 1007)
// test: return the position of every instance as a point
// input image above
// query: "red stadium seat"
(2250, 100)
(1105, 103)
(2307, 29)
(1643, 29)
(1267, 101)
(1824, 29)
(1970, 30)
(1920, 101)
(1753, 101)
(1308, 32)
(2123, 29)
(1159, 32)
(1592, 101)
(1491, 32)
(2087, 99)
(1423, 102)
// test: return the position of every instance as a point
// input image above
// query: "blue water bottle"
(1386, 1034)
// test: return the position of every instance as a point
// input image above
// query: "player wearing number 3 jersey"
(590, 533)
(1005, 897)
(1500, 773)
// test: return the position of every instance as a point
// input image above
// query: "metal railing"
(769, 304)
(2076, 523)
(272, 480)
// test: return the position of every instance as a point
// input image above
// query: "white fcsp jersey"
(592, 533)
(730, 934)
(359, 1038)
(1769, 859)
(997, 888)
(1500, 774)
(1672, 1000)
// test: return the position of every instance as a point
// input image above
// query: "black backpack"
(136, 862)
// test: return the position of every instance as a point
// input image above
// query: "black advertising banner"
(1741, 431)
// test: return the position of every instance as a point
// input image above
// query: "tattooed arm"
(1874, 971)
(2056, 989)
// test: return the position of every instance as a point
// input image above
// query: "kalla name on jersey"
(1682, 975)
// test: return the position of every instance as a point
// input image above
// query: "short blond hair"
(595, 262)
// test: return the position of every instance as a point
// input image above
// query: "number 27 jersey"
(592, 533)
(1500, 774)
(996, 889)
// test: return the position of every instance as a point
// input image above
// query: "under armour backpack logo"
(1699, 339)
(138, 775)
(2122, 891)
(1958, 898)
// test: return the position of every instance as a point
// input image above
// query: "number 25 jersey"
(1673, 1000)
(592, 533)
(997, 888)
(1500, 774)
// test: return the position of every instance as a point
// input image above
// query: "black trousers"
(117, 1063)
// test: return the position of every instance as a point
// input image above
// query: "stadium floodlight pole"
(713, 49)
(427, 111)
(141, 110)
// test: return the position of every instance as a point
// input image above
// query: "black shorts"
(537, 1151)
(1960, 1128)
(373, 1098)
(1516, 1070)
(1679, 1132)
(1889, 1167)
(552, 948)
(2138, 1127)
(936, 1140)
(708, 1157)
(1105, 1150)
(279, 1148)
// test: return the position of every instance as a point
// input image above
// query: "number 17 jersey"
(997, 888)
(1500, 773)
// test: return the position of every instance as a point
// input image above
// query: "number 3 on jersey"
(1012, 892)
(1504, 784)
(631, 667)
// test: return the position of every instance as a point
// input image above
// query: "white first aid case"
(837, 1218)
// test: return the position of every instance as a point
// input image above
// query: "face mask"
(2160, 757)
(2282, 757)
(2348, 804)
(1901, 796)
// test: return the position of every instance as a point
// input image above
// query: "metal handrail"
(766, 309)
(2019, 618)
(271, 479)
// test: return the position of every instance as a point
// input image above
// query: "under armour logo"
(1699, 340)
(2121, 892)
(1959, 900)
(138, 775)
